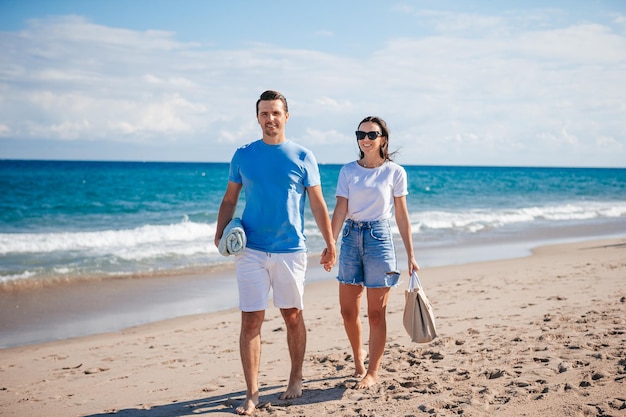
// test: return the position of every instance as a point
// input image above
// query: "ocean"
(70, 222)
(65, 221)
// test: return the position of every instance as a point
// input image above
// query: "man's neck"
(274, 140)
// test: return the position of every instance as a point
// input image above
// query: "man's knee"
(292, 316)
(251, 321)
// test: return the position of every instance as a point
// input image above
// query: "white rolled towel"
(233, 240)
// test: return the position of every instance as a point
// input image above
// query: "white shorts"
(258, 271)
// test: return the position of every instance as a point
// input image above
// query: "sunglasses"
(373, 135)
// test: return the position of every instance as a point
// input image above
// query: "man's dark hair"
(272, 95)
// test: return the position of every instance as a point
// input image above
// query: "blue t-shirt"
(274, 179)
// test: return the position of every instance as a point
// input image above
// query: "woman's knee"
(349, 313)
(376, 317)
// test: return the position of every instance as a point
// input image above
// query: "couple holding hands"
(277, 175)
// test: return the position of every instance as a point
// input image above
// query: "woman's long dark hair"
(384, 148)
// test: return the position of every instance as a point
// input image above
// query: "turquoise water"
(63, 221)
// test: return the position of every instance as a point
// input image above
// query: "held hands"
(328, 258)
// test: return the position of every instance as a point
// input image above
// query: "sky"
(479, 83)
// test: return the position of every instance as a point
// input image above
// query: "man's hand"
(328, 258)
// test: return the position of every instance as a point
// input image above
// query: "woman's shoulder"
(394, 166)
(350, 165)
(396, 171)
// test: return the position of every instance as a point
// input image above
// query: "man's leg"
(296, 341)
(250, 351)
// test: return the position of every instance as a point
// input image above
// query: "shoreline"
(85, 307)
(538, 335)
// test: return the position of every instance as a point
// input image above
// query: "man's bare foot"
(247, 407)
(367, 381)
(293, 391)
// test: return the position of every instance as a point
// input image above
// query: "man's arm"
(227, 209)
(320, 213)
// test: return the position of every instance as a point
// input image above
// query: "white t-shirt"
(370, 191)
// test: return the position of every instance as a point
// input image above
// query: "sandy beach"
(543, 335)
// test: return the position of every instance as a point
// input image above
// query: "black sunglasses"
(373, 135)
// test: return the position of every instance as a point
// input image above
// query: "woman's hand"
(328, 258)
(413, 266)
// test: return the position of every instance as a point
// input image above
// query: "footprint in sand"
(91, 371)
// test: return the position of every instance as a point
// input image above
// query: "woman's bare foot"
(367, 381)
(293, 391)
(247, 407)
(359, 365)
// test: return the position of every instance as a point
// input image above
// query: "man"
(276, 175)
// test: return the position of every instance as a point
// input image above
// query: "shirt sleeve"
(233, 172)
(342, 184)
(312, 171)
(400, 186)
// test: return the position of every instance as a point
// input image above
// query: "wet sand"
(543, 335)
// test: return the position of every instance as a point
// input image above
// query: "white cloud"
(333, 103)
(619, 19)
(67, 31)
(323, 33)
(463, 23)
(533, 94)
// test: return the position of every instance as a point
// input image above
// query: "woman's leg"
(376, 312)
(350, 302)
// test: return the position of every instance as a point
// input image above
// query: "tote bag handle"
(414, 282)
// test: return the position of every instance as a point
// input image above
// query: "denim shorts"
(367, 255)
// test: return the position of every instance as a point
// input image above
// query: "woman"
(369, 190)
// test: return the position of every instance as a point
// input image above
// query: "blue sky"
(533, 83)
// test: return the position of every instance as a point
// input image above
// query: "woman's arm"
(404, 226)
(339, 216)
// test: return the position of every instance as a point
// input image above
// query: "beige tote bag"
(419, 318)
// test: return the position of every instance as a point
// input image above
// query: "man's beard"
(270, 131)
